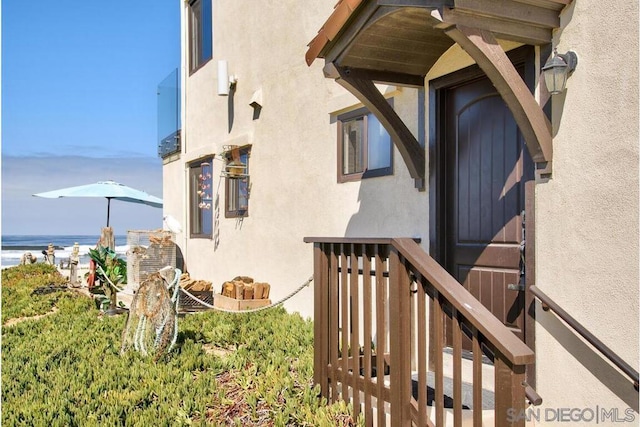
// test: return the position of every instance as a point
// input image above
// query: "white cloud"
(24, 176)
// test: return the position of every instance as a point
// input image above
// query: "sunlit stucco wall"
(294, 189)
(587, 217)
(587, 214)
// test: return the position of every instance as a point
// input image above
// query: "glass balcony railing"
(169, 115)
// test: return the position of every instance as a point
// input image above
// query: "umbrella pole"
(108, 209)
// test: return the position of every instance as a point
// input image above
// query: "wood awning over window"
(398, 41)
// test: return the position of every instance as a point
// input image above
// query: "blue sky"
(79, 80)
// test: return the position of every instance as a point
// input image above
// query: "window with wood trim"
(364, 146)
(200, 33)
(201, 198)
(237, 182)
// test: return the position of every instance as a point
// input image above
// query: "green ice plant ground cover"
(64, 368)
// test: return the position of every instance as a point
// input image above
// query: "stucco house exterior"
(422, 132)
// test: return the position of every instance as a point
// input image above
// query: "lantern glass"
(556, 79)
(557, 70)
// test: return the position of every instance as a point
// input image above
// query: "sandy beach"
(83, 269)
(126, 296)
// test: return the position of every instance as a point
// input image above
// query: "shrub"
(228, 369)
(21, 286)
(114, 271)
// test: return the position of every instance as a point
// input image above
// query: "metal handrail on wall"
(549, 304)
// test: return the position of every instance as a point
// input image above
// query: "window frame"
(239, 212)
(200, 26)
(363, 113)
(197, 212)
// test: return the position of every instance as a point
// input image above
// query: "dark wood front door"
(486, 165)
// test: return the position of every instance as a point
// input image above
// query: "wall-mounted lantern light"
(557, 69)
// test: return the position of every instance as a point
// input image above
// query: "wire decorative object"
(152, 325)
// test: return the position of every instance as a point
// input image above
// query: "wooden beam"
(408, 80)
(503, 28)
(556, 5)
(405, 67)
(512, 11)
(482, 46)
(370, 96)
(417, 3)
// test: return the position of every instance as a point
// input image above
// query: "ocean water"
(14, 246)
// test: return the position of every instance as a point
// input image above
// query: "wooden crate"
(227, 303)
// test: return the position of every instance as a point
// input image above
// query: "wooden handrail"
(348, 272)
(502, 338)
(357, 240)
(548, 303)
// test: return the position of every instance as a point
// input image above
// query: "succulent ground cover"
(61, 367)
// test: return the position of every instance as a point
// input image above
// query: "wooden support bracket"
(365, 90)
(483, 47)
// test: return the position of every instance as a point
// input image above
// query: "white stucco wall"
(294, 189)
(587, 214)
(587, 217)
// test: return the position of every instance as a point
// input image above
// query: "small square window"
(237, 186)
(201, 198)
(200, 33)
(364, 147)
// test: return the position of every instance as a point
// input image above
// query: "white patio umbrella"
(107, 189)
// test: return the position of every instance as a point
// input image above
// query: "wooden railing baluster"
(355, 330)
(404, 292)
(477, 379)
(334, 300)
(321, 314)
(457, 369)
(368, 338)
(509, 392)
(394, 341)
(400, 339)
(438, 337)
(381, 335)
(344, 321)
(422, 353)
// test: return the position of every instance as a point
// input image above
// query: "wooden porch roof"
(407, 37)
(398, 41)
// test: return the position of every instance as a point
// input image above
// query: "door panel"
(486, 166)
(487, 286)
